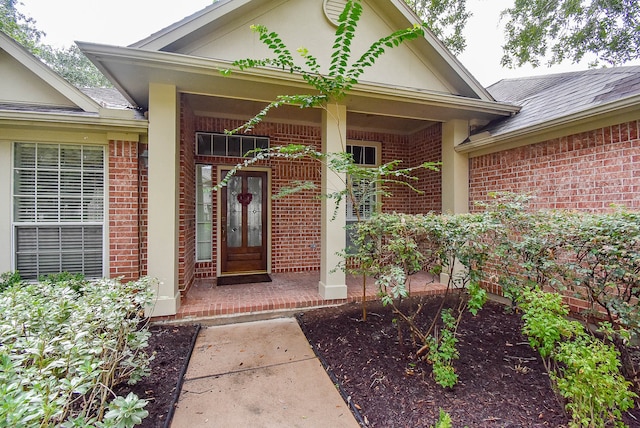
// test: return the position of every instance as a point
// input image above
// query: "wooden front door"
(244, 229)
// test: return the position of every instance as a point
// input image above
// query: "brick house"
(144, 183)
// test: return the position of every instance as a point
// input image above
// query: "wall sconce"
(144, 158)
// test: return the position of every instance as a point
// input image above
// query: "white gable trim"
(38, 68)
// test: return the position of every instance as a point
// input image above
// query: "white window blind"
(58, 209)
(364, 191)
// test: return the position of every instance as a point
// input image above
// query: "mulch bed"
(502, 382)
(171, 347)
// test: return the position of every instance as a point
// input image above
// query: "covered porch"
(418, 107)
(209, 303)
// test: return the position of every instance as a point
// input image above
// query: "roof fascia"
(450, 59)
(184, 27)
(603, 115)
(22, 118)
(24, 57)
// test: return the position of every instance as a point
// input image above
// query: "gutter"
(66, 120)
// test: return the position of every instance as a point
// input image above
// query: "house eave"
(603, 115)
(202, 76)
(61, 120)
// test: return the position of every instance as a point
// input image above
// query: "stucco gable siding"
(303, 24)
(21, 86)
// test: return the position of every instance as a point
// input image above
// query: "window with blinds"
(58, 209)
(365, 192)
(365, 154)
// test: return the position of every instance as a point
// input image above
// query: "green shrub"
(9, 279)
(75, 281)
(443, 351)
(584, 370)
(62, 352)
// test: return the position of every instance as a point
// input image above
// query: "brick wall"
(587, 171)
(143, 183)
(296, 225)
(124, 238)
(426, 146)
(187, 234)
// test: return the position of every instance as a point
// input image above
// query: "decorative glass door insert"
(243, 223)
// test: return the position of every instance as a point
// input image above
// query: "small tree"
(326, 89)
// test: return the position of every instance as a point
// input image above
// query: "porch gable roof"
(422, 81)
(195, 34)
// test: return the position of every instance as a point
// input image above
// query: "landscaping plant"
(584, 370)
(396, 246)
(62, 351)
(326, 87)
(591, 257)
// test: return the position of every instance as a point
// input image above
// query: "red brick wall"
(587, 171)
(187, 234)
(124, 238)
(143, 183)
(295, 225)
(426, 146)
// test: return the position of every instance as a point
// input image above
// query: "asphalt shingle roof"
(545, 98)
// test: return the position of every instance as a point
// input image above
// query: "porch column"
(455, 175)
(163, 215)
(455, 168)
(333, 285)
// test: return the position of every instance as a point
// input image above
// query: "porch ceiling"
(230, 108)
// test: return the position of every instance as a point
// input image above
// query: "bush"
(582, 369)
(63, 351)
(392, 247)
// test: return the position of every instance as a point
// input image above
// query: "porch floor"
(206, 301)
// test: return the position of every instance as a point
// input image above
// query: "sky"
(123, 22)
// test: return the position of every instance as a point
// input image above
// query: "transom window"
(217, 144)
(58, 209)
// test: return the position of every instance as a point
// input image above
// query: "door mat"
(243, 279)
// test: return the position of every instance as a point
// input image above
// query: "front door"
(243, 217)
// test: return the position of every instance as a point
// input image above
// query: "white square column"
(455, 168)
(455, 174)
(163, 208)
(333, 283)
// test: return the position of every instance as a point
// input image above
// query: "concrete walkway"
(258, 374)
